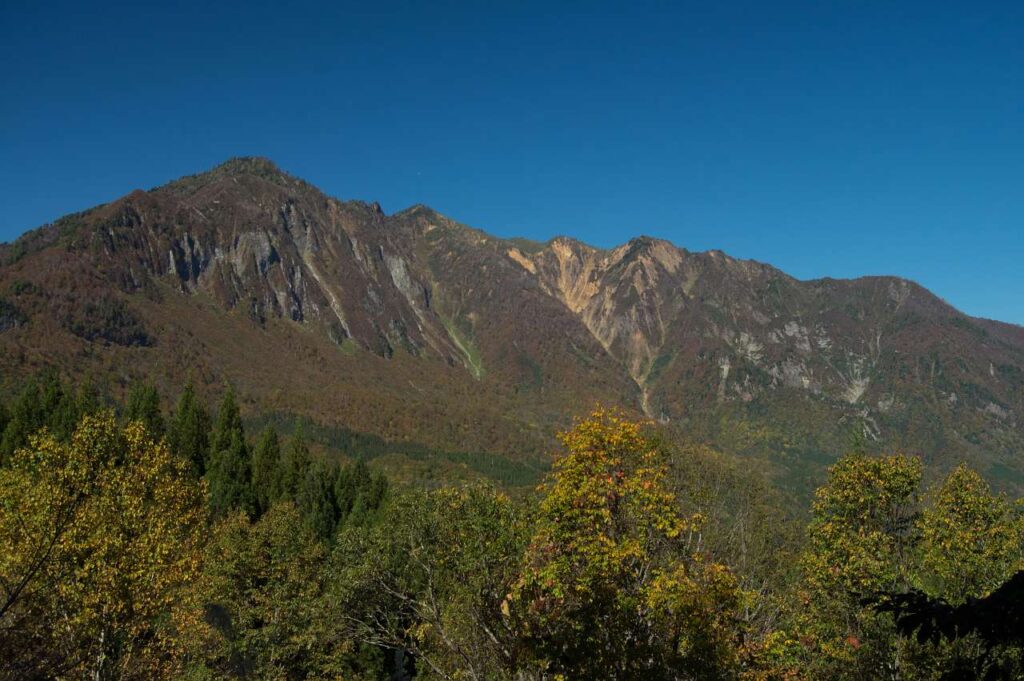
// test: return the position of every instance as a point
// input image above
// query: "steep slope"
(414, 327)
(311, 305)
(745, 355)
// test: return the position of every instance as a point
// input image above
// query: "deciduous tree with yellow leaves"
(971, 539)
(612, 586)
(100, 536)
(860, 541)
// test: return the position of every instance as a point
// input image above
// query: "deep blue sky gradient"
(827, 138)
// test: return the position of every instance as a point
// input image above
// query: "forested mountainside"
(416, 330)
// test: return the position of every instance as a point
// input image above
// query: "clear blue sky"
(827, 138)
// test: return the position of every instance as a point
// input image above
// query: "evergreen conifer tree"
(229, 422)
(26, 417)
(189, 430)
(294, 465)
(144, 406)
(88, 399)
(266, 470)
(230, 472)
(315, 499)
(5, 416)
(230, 479)
(60, 408)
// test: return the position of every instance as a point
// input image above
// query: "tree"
(970, 542)
(60, 406)
(101, 536)
(733, 499)
(612, 587)
(230, 472)
(351, 482)
(144, 405)
(259, 596)
(358, 492)
(189, 430)
(971, 539)
(5, 417)
(229, 422)
(25, 418)
(989, 629)
(315, 498)
(266, 470)
(428, 583)
(294, 465)
(860, 542)
(45, 402)
(230, 479)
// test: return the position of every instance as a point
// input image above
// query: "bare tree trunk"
(97, 672)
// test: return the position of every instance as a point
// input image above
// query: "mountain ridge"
(734, 352)
(263, 167)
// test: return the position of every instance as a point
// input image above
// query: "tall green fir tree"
(60, 407)
(315, 498)
(189, 431)
(230, 472)
(266, 470)
(294, 464)
(45, 402)
(144, 406)
(26, 417)
(5, 417)
(358, 492)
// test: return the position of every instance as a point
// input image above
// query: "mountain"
(415, 329)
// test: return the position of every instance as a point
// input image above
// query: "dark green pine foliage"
(315, 499)
(5, 420)
(189, 430)
(88, 399)
(229, 422)
(60, 407)
(144, 405)
(358, 492)
(43, 403)
(230, 472)
(375, 494)
(266, 470)
(5, 417)
(26, 417)
(294, 465)
(347, 489)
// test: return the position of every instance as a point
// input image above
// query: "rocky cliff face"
(728, 350)
(257, 240)
(667, 314)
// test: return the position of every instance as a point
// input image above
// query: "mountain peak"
(248, 165)
(646, 243)
(235, 168)
(418, 209)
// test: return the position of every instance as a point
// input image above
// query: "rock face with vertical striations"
(414, 327)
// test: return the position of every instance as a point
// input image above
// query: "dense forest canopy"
(141, 541)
